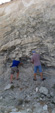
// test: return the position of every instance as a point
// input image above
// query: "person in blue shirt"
(14, 68)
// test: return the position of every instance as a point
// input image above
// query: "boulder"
(43, 90)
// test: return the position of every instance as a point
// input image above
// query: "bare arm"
(21, 64)
(32, 61)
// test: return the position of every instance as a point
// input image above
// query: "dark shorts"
(37, 67)
(14, 69)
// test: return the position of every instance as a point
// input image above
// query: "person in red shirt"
(37, 65)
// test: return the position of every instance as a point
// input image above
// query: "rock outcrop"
(26, 25)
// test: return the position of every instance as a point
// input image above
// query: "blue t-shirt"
(15, 63)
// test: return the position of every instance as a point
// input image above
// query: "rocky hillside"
(26, 25)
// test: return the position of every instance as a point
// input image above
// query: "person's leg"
(34, 76)
(11, 78)
(17, 75)
(17, 71)
(41, 74)
(35, 71)
(40, 70)
(12, 73)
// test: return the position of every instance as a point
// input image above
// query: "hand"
(32, 62)
(21, 63)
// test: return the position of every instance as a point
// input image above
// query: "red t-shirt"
(36, 59)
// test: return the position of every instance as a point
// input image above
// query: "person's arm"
(32, 60)
(21, 63)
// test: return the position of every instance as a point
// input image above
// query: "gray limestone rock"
(45, 107)
(43, 90)
(53, 111)
(8, 86)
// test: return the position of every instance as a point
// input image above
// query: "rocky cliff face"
(26, 25)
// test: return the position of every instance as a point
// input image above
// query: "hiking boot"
(18, 79)
(34, 79)
(11, 82)
(43, 79)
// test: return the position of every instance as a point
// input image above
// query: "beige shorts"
(14, 69)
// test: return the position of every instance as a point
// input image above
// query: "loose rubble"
(26, 95)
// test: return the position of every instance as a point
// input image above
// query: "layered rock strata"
(25, 26)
